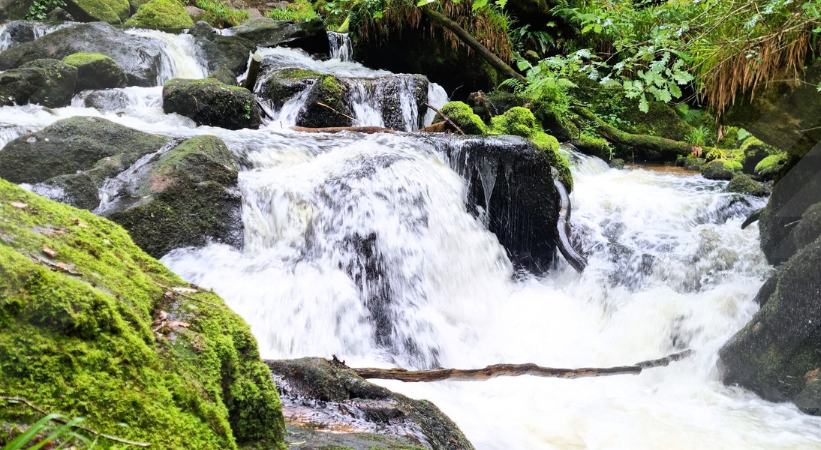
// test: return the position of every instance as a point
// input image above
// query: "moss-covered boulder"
(166, 15)
(211, 102)
(90, 326)
(744, 184)
(96, 71)
(140, 57)
(754, 150)
(771, 167)
(462, 115)
(186, 198)
(111, 11)
(329, 386)
(721, 169)
(75, 156)
(47, 82)
(520, 121)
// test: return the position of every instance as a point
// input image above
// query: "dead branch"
(366, 130)
(60, 419)
(447, 119)
(514, 370)
(334, 110)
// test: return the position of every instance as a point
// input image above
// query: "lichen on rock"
(91, 326)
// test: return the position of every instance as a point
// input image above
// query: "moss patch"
(462, 114)
(111, 11)
(87, 329)
(769, 167)
(167, 15)
(298, 11)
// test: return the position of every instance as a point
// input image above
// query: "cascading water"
(361, 246)
(181, 57)
(341, 47)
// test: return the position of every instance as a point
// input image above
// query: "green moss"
(81, 333)
(331, 88)
(83, 58)
(167, 15)
(218, 14)
(295, 73)
(111, 11)
(298, 11)
(462, 114)
(557, 160)
(517, 121)
(771, 165)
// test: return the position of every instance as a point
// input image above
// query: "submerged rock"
(720, 169)
(185, 198)
(47, 82)
(95, 328)
(96, 71)
(210, 102)
(139, 57)
(335, 398)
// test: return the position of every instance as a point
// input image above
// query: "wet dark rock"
(326, 104)
(187, 196)
(388, 90)
(792, 195)
(20, 31)
(75, 156)
(744, 184)
(211, 102)
(139, 57)
(14, 9)
(46, 82)
(616, 163)
(778, 354)
(520, 202)
(718, 170)
(266, 32)
(227, 56)
(339, 399)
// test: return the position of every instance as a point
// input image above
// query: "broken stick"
(447, 119)
(514, 370)
(366, 130)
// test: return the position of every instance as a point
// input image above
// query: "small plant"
(40, 8)
(219, 14)
(698, 136)
(298, 11)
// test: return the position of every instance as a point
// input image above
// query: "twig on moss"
(60, 419)
(447, 119)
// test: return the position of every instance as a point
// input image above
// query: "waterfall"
(341, 47)
(36, 30)
(437, 97)
(5, 37)
(362, 246)
(181, 56)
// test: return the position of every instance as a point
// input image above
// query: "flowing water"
(669, 269)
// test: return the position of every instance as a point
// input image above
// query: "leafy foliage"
(298, 11)
(40, 8)
(219, 14)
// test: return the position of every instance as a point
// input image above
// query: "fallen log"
(512, 370)
(573, 257)
(366, 130)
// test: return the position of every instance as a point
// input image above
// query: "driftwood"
(447, 119)
(366, 130)
(512, 370)
(60, 419)
(253, 71)
(574, 258)
(471, 42)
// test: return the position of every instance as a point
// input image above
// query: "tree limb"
(447, 119)
(513, 370)
(471, 42)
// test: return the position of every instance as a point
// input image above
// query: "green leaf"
(25, 438)
(675, 91)
(479, 4)
(421, 3)
(501, 3)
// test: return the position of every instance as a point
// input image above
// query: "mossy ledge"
(91, 326)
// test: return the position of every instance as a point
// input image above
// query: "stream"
(669, 269)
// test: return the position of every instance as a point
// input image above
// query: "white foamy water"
(181, 56)
(669, 269)
(341, 46)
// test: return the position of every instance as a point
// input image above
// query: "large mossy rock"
(266, 32)
(47, 82)
(327, 387)
(784, 115)
(745, 184)
(111, 11)
(96, 71)
(139, 57)
(186, 198)
(227, 56)
(76, 155)
(720, 169)
(166, 15)
(211, 102)
(92, 327)
(326, 103)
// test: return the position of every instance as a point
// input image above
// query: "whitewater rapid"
(669, 269)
